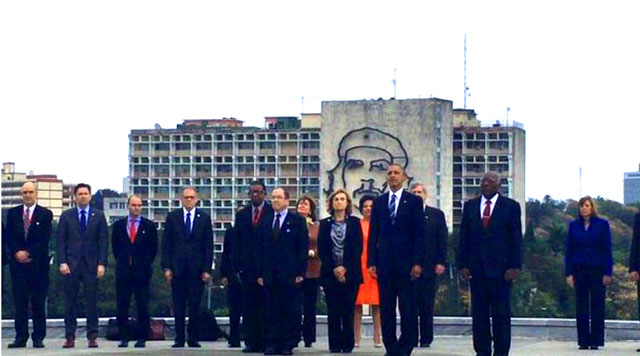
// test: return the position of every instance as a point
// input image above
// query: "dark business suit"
(133, 271)
(234, 290)
(187, 256)
(29, 280)
(283, 257)
(395, 246)
(488, 253)
(245, 252)
(426, 286)
(82, 250)
(340, 297)
(634, 255)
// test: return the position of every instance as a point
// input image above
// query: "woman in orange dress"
(368, 293)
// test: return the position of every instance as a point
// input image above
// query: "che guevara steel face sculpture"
(364, 156)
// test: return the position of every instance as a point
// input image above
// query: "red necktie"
(256, 216)
(26, 223)
(132, 231)
(486, 214)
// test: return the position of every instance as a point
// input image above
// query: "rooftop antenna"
(302, 105)
(395, 81)
(466, 88)
(508, 109)
(580, 183)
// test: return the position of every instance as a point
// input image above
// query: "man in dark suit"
(250, 226)
(489, 257)
(187, 256)
(134, 240)
(27, 234)
(634, 256)
(230, 280)
(396, 257)
(436, 245)
(82, 246)
(282, 266)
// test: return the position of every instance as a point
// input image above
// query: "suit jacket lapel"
(475, 214)
(402, 204)
(496, 210)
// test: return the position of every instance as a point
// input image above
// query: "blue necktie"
(392, 208)
(187, 225)
(83, 220)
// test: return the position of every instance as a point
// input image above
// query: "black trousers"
(30, 283)
(128, 284)
(253, 313)
(491, 315)
(341, 303)
(186, 290)
(89, 280)
(234, 301)
(589, 305)
(398, 287)
(426, 288)
(282, 314)
(310, 299)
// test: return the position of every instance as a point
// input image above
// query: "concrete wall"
(360, 138)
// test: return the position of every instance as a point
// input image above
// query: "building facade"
(52, 192)
(220, 158)
(481, 147)
(632, 187)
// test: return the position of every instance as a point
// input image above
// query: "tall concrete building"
(52, 192)
(480, 147)
(360, 139)
(220, 158)
(632, 187)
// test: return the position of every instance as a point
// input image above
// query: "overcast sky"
(77, 76)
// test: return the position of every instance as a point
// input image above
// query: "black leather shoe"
(123, 343)
(308, 344)
(425, 344)
(17, 344)
(193, 344)
(233, 344)
(140, 343)
(583, 347)
(38, 344)
(335, 351)
(286, 352)
(593, 347)
(270, 351)
(178, 344)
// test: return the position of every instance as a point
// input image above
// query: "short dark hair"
(363, 200)
(81, 185)
(312, 206)
(258, 182)
(284, 190)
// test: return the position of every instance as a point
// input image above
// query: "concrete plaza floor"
(442, 346)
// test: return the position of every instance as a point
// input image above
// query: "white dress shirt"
(483, 201)
(398, 194)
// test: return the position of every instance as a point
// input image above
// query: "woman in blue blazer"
(588, 268)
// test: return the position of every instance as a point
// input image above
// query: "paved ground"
(443, 346)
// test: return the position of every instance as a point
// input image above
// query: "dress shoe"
(233, 344)
(335, 351)
(251, 350)
(308, 344)
(425, 344)
(140, 343)
(347, 351)
(92, 343)
(593, 347)
(38, 344)
(286, 352)
(69, 343)
(177, 344)
(270, 351)
(123, 343)
(193, 344)
(583, 347)
(17, 344)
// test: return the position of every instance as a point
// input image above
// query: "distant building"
(479, 147)
(114, 208)
(632, 187)
(52, 192)
(220, 158)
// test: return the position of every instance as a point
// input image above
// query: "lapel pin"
(198, 215)
(143, 231)
(37, 222)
